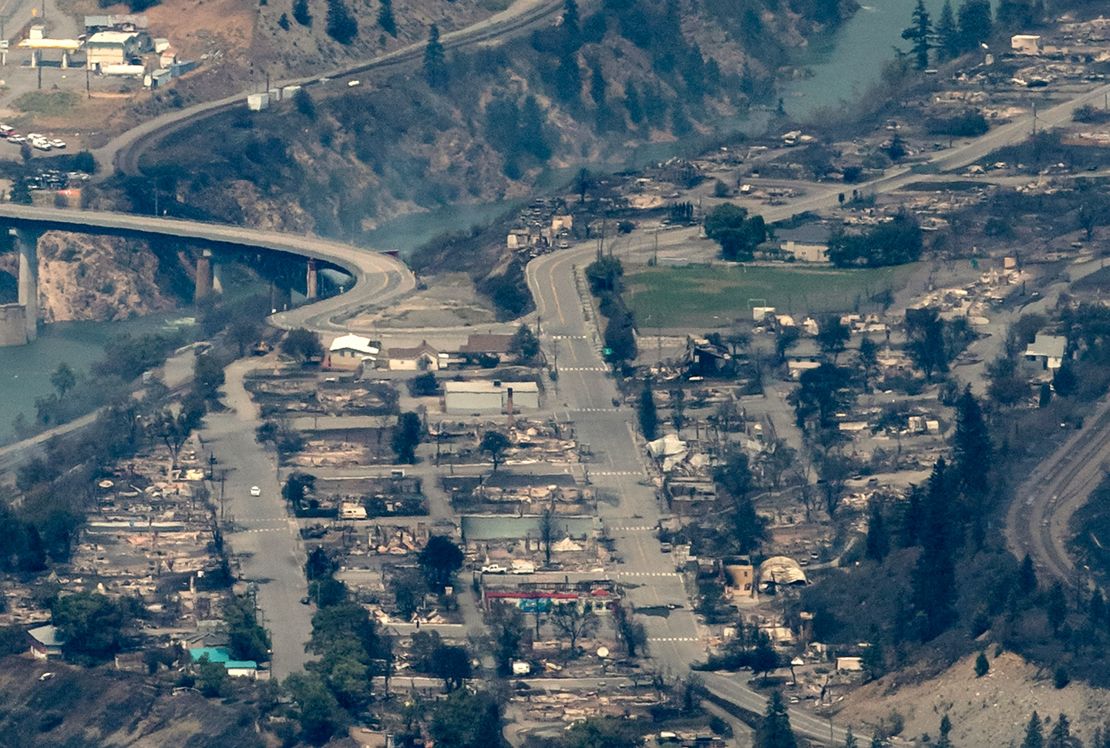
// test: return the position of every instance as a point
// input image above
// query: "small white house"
(351, 351)
(1048, 351)
(1026, 44)
(421, 358)
(46, 643)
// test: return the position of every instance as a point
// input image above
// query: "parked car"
(494, 569)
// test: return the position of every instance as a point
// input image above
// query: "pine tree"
(568, 79)
(934, 576)
(597, 84)
(920, 33)
(1034, 733)
(975, 23)
(341, 25)
(1060, 737)
(982, 665)
(632, 103)
(972, 447)
(876, 741)
(948, 35)
(774, 731)
(301, 14)
(878, 538)
(945, 729)
(1027, 577)
(386, 21)
(532, 135)
(435, 66)
(570, 22)
(850, 739)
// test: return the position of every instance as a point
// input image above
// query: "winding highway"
(125, 150)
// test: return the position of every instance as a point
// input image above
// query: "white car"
(56, 143)
(494, 569)
(256, 491)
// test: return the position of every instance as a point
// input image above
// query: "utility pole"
(655, 251)
(88, 88)
(1034, 118)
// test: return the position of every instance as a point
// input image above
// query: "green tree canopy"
(774, 731)
(440, 559)
(302, 345)
(920, 33)
(738, 235)
(407, 434)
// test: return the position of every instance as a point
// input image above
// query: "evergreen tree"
(982, 665)
(386, 21)
(649, 418)
(435, 65)
(975, 23)
(774, 731)
(532, 136)
(570, 23)
(876, 741)
(20, 192)
(632, 103)
(341, 25)
(568, 79)
(948, 34)
(1027, 577)
(934, 576)
(912, 520)
(972, 447)
(1034, 733)
(878, 538)
(1056, 607)
(920, 33)
(301, 14)
(945, 729)
(850, 739)
(1060, 737)
(597, 84)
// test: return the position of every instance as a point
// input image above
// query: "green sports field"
(714, 296)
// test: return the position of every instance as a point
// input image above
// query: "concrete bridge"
(378, 278)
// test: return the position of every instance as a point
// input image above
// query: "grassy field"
(708, 297)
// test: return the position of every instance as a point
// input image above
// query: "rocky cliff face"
(83, 277)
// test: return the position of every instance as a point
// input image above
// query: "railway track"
(1039, 517)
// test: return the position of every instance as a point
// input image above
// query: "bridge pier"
(26, 243)
(203, 287)
(312, 282)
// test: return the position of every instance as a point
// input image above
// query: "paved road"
(125, 150)
(266, 538)
(628, 505)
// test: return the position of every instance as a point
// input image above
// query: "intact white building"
(350, 352)
(421, 358)
(490, 397)
(1048, 351)
(1026, 44)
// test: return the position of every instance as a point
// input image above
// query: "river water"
(845, 64)
(842, 66)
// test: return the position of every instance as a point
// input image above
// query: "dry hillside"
(107, 708)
